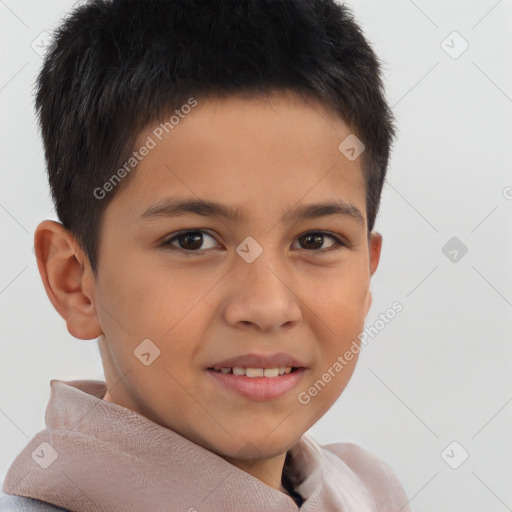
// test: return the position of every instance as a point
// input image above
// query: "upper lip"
(253, 360)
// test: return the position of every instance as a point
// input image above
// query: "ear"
(68, 278)
(374, 249)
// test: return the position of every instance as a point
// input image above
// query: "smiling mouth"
(257, 372)
(258, 384)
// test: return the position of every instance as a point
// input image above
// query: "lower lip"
(259, 388)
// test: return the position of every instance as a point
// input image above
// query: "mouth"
(257, 384)
(256, 372)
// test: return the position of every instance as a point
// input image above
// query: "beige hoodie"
(97, 456)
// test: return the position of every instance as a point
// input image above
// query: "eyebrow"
(174, 207)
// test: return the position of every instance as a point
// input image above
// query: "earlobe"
(67, 278)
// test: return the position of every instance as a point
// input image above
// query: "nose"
(262, 296)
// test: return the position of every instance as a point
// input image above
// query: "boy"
(217, 168)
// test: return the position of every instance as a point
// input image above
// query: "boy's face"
(200, 301)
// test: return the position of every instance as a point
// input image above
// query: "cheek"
(149, 299)
(342, 314)
(341, 304)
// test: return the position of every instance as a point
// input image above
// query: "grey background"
(441, 370)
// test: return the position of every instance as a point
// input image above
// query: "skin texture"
(264, 156)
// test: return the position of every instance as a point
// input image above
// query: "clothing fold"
(98, 456)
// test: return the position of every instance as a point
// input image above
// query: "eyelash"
(338, 243)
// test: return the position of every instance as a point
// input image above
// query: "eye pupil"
(196, 236)
(314, 238)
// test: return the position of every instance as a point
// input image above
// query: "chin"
(257, 447)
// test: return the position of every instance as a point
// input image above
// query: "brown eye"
(188, 241)
(192, 241)
(315, 240)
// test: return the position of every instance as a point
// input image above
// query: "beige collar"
(96, 455)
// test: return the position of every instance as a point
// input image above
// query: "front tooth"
(254, 372)
(258, 372)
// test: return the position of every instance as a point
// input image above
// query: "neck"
(269, 471)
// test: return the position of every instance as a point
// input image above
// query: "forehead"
(279, 147)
